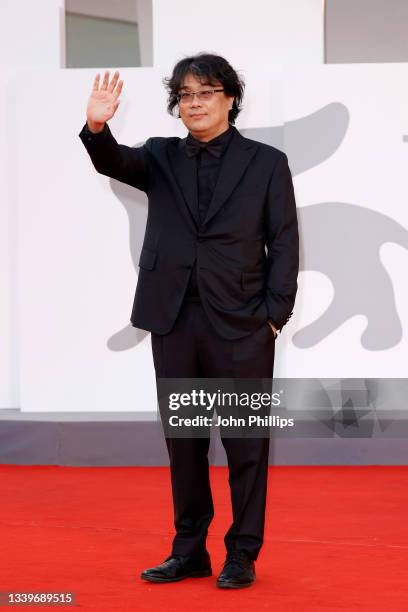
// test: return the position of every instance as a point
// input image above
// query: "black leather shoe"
(238, 571)
(176, 568)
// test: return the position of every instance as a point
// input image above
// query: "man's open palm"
(103, 101)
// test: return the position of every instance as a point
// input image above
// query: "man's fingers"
(113, 81)
(105, 80)
(118, 89)
(95, 85)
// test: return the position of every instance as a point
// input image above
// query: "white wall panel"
(345, 128)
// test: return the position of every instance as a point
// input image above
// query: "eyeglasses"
(203, 96)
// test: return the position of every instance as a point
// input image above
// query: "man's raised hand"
(103, 101)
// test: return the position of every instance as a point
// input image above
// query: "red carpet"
(336, 539)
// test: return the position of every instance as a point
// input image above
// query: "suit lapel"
(234, 163)
(185, 171)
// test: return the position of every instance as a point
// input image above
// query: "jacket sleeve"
(130, 165)
(282, 241)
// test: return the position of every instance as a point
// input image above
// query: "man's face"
(205, 119)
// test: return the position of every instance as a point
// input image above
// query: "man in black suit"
(210, 295)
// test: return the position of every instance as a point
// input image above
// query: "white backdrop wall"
(30, 37)
(81, 233)
(345, 136)
(77, 220)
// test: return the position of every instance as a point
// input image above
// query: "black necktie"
(193, 147)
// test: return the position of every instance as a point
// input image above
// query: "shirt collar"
(222, 138)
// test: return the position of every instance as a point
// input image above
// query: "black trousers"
(194, 349)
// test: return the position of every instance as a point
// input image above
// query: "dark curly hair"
(207, 68)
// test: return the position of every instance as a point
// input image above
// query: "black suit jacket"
(253, 206)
